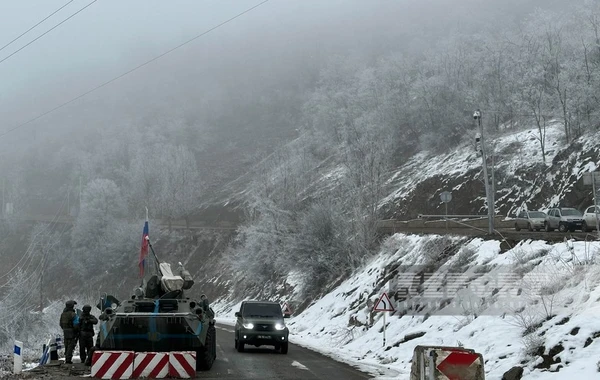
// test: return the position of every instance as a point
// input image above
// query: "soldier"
(69, 323)
(88, 361)
(86, 334)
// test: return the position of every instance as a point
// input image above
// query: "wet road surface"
(253, 363)
(266, 363)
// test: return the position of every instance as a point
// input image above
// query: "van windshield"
(571, 212)
(265, 310)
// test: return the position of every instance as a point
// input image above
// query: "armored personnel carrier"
(160, 318)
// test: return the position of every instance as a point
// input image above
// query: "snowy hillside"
(520, 174)
(533, 306)
(550, 324)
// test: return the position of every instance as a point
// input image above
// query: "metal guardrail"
(451, 222)
(425, 216)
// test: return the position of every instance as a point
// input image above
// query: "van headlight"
(279, 326)
(248, 326)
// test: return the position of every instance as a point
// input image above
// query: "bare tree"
(532, 97)
(180, 182)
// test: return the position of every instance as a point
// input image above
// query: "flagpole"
(155, 257)
(144, 264)
(147, 219)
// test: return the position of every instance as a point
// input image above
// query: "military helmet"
(70, 303)
(87, 308)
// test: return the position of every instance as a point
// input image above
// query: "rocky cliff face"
(522, 178)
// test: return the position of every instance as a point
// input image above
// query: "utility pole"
(42, 280)
(486, 179)
(79, 210)
(493, 187)
(595, 204)
(590, 179)
(3, 196)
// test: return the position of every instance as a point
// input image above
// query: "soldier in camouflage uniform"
(86, 333)
(69, 323)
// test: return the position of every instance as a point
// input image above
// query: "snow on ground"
(551, 321)
(517, 153)
(553, 292)
(465, 158)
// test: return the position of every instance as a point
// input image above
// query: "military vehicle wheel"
(205, 357)
(284, 348)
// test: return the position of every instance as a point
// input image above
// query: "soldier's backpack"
(66, 320)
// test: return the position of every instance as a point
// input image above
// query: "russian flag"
(144, 250)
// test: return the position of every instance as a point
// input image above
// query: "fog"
(300, 112)
(111, 37)
(216, 80)
(276, 39)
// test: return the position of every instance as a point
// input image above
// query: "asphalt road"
(253, 363)
(266, 363)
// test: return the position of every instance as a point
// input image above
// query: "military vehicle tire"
(205, 357)
(284, 348)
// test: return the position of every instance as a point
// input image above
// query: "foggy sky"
(112, 36)
(271, 43)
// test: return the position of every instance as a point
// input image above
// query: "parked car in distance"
(532, 220)
(589, 219)
(564, 219)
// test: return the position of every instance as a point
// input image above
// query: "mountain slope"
(533, 306)
(520, 173)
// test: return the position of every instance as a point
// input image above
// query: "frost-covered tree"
(145, 182)
(101, 206)
(321, 249)
(180, 182)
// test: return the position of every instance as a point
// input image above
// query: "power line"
(48, 31)
(132, 70)
(24, 281)
(30, 29)
(32, 244)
